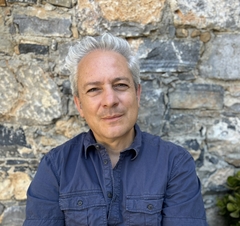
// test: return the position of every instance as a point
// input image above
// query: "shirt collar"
(90, 142)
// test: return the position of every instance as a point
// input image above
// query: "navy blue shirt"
(154, 183)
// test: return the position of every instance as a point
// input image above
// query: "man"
(114, 174)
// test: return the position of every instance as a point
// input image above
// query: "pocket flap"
(79, 201)
(144, 204)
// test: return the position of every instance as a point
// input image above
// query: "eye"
(121, 86)
(92, 90)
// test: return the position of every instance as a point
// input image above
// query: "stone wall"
(190, 72)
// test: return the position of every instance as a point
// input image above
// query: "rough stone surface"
(41, 23)
(14, 216)
(127, 18)
(217, 14)
(9, 136)
(33, 48)
(65, 3)
(36, 104)
(8, 85)
(2, 3)
(152, 100)
(15, 185)
(23, 1)
(221, 61)
(162, 56)
(192, 96)
(143, 11)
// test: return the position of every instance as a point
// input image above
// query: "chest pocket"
(144, 210)
(84, 209)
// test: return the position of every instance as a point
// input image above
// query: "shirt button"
(109, 195)
(97, 146)
(80, 202)
(150, 206)
(105, 162)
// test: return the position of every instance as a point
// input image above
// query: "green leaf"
(231, 207)
(235, 214)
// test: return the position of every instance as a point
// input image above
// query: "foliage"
(229, 205)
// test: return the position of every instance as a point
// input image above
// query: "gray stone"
(23, 1)
(152, 107)
(217, 14)
(182, 125)
(40, 102)
(2, 207)
(213, 217)
(6, 44)
(127, 29)
(66, 87)
(31, 25)
(187, 76)
(225, 129)
(168, 55)
(194, 96)
(33, 48)
(8, 90)
(221, 59)
(65, 3)
(9, 136)
(13, 216)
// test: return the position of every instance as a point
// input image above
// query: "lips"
(112, 118)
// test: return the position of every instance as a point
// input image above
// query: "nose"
(109, 98)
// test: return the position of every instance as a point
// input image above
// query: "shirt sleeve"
(42, 207)
(183, 203)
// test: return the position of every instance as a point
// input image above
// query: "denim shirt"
(154, 183)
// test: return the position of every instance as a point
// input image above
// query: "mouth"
(112, 117)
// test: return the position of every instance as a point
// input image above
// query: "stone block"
(71, 127)
(216, 14)
(128, 18)
(13, 216)
(32, 25)
(221, 58)
(182, 125)
(9, 89)
(143, 11)
(226, 129)
(152, 107)
(23, 1)
(6, 44)
(3, 3)
(217, 181)
(10, 136)
(33, 48)
(168, 55)
(195, 96)
(40, 102)
(14, 186)
(64, 3)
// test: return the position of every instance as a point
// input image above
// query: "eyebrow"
(99, 83)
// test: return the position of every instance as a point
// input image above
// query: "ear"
(139, 91)
(78, 105)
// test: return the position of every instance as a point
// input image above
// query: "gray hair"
(103, 42)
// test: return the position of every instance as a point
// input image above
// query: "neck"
(115, 146)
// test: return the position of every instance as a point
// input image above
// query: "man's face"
(108, 99)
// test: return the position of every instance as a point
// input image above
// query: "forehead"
(100, 64)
